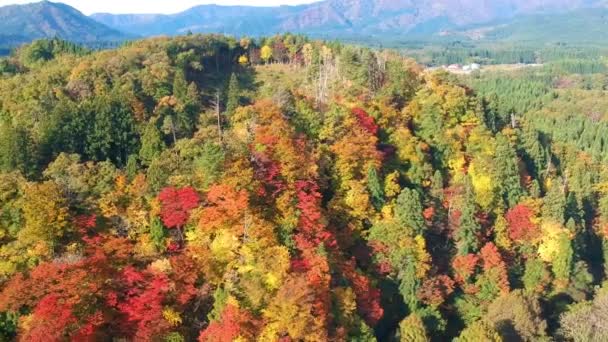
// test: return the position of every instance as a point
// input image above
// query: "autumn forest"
(207, 188)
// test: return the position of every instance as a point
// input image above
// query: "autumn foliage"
(176, 205)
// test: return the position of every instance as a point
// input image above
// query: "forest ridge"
(208, 188)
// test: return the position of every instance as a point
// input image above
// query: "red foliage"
(521, 227)
(53, 317)
(428, 213)
(366, 121)
(85, 222)
(233, 323)
(434, 291)
(268, 172)
(492, 261)
(184, 278)
(464, 267)
(89, 330)
(176, 205)
(310, 224)
(368, 297)
(142, 303)
(491, 256)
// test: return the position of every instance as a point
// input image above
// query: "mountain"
(339, 18)
(24, 23)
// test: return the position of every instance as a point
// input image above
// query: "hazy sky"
(154, 6)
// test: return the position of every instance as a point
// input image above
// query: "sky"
(154, 6)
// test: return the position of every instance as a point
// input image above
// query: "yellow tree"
(46, 214)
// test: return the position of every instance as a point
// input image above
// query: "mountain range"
(24, 23)
(347, 19)
(337, 18)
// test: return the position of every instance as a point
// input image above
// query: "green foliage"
(151, 144)
(409, 211)
(466, 236)
(8, 325)
(315, 221)
(233, 95)
(412, 329)
(506, 163)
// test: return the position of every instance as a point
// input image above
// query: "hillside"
(25, 23)
(207, 188)
(395, 19)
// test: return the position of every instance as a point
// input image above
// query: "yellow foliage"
(224, 246)
(422, 256)
(482, 183)
(357, 198)
(266, 53)
(45, 212)
(391, 185)
(145, 247)
(502, 239)
(172, 317)
(549, 246)
(161, 266)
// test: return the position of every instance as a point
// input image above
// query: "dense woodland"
(280, 189)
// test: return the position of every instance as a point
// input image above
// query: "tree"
(375, 188)
(176, 205)
(506, 164)
(517, 316)
(412, 329)
(586, 321)
(234, 324)
(479, 331)
(266, 53)
(554, 203)
(151, 144)
(409, 211)
(521, 227)
(113, 135)
(16, 150)
(466, 235)
(45, 213)
(233, 96)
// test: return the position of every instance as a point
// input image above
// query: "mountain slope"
(24, 23)
(341, 17)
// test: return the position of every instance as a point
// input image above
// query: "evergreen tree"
(533, 151)
(233, 95)
(554, 203)
(132, 167)
(506, 163)
(113, 135)
(409, 211)
(466, 236)
(375, 188)
(151, 144)
(16, 150)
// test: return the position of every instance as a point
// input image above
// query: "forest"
(207, 188)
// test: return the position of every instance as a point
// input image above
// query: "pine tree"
(409, 211)
(375, 188)
(466, 236)
(233, 99)
(554, 203)
(16, 150)
(506, 163)
(151, 144)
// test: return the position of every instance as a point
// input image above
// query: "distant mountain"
(339, 18)
(24, 23)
